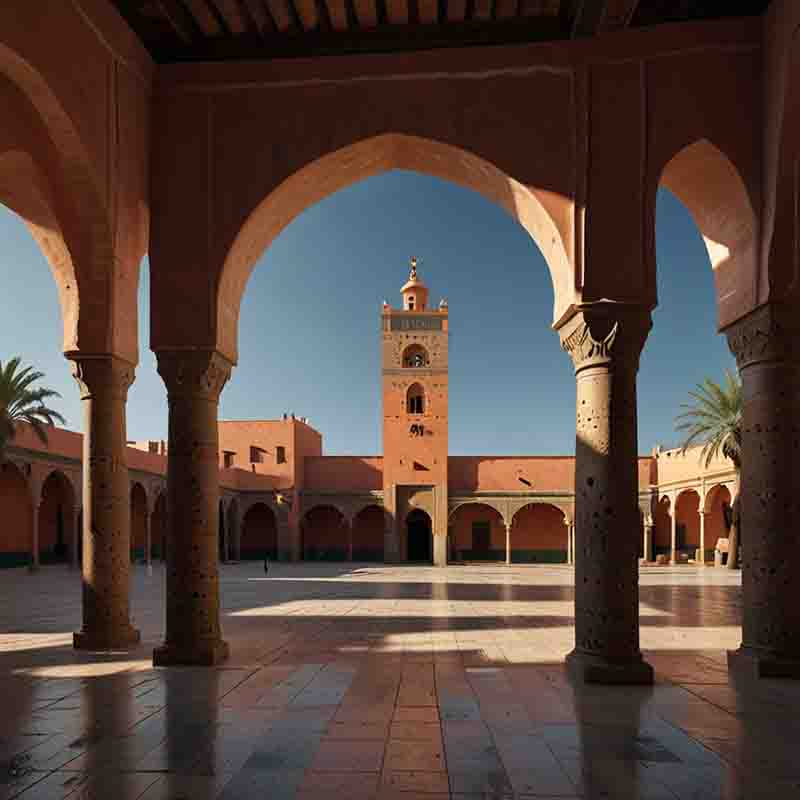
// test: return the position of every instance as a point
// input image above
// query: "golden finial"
(413, 275)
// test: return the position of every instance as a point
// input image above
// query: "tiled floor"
(355, 682)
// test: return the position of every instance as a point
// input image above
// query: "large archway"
(56, 519)
(707, 182)
(718, 517)
(16, 511)
(544, 215)
(539, 535)
(687, 525)
(419, 537)
(368, 529)
(323, 532)
(476, 532)
(259, 534)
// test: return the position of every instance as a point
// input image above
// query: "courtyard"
(388, 681)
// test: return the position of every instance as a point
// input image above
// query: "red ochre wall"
(368, 531)
(259, 534)
(662, 521)
(344, 473)
(17, 514)
(460, 531)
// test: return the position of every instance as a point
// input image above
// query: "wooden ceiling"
(213, 30)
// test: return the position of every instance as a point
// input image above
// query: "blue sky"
(309, 327)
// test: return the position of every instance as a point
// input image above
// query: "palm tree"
(715, 419)
(20, 401)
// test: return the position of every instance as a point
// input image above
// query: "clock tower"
(414, 375)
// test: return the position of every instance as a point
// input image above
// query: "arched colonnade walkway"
(102, 180)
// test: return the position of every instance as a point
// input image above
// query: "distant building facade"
(282, 498)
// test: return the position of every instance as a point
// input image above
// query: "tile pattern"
(388, 682)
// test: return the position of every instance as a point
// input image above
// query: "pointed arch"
(707, 182)
(370, 157)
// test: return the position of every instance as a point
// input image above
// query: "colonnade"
(604, 342)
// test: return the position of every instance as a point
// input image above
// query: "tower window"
(415, 399)
(227, 456)
(415, 356)
(256, 455)
(280, 454)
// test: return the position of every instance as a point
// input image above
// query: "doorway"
(418, 525)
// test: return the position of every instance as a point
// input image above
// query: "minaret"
(415, 399)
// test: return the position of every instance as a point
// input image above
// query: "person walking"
(266, 564)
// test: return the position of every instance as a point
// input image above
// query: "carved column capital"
(194, 373)
(770, 333)
(102, 374)
(605, 334)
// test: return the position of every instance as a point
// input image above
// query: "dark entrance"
(419, 536)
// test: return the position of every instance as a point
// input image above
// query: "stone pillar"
(648, 539)
(766, 344)
(702, 537)
(104, 383)
(194, 381)
(673, 528)
(36, 506)
(605, 342)
(568, 526)
(508, 543)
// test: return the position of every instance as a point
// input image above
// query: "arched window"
(415, 356)
(415, 399)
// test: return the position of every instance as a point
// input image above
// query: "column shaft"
(76, 533)
(604, 343)
(104, 383)
(148, 542)
(673, 529)
(648, 541)
(767, 348)
(34, 565)
(194, 380)
(702, 559)
(508, 544)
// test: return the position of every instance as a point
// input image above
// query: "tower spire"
(414, 291)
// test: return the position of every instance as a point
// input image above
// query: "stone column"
(673, 528)
(702, 536)
(766, 344)
(104, 383)
(194, 381)
(35, 509)
(508, 543)
(648, 538)
(568, 526)
(605, 342)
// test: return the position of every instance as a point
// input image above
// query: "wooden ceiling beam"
(272, 24)
(294, 16)
(181, 20)
(352, 16)
(250, 24)
(385, 38)
(219, 17)
(324, 14)
(619, 14)
(587, 17)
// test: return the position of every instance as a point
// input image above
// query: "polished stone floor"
(355, 682)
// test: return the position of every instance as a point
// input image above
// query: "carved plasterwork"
(770, 333)
(196, 373)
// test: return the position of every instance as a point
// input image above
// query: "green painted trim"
(368, 554)
(9, 560)
(538, 556)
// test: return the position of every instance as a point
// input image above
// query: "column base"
(206, 653)
(749, 663)
(586, 668)
(118, 639)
